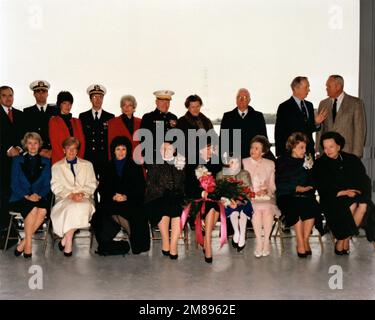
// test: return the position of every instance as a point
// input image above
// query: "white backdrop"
(207, 47)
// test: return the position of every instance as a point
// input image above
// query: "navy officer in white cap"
(160, 115)
(37, 116)
(95, 127)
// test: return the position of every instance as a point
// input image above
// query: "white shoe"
(257, 254)
(265, 253)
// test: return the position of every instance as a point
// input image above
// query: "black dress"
(296, 206)
(334, 175)
(164, 191)
(131, 183)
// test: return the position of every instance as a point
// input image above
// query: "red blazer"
(116, 127)
(58, 132)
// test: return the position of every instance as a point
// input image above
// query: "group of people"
(97, 175)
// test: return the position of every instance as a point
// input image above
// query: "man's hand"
(46, 153)
(13, 152)
(301, 189)
(321, 116)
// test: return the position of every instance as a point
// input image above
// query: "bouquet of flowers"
(309, 162)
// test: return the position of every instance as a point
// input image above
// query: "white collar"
(99, 112)
(243, 112)
(6, 109)
(339, 98)
(40, 106)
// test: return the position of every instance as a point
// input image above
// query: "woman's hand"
(351, 193)
(261, 193)
(33, 197)
(120, 197)
(233, 204)
(77, 197)
(301, 189)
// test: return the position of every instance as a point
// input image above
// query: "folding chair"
(155, 234)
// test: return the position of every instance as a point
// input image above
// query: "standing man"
(245, 118)
(346, 115)
(297, 115)
(38, 115)
(95, 128)
(12, 130)
(158, 117)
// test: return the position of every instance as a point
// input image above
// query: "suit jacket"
(58, 132)
(38, 121)
(21, 186)
(96, 136)
(10, 136)
(117, 127)
(289, 119)
(350, 122)
(251, 125)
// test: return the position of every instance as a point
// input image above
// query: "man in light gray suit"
(346, 115)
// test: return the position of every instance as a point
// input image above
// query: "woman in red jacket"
(64, 126)
(125, 124)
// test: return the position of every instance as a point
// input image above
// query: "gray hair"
(297, 81)
(338, 79)
(33, 136)
(128, 97)
(244, 89)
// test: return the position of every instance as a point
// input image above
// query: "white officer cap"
(39, 84)
(164, 94)
(96, 89)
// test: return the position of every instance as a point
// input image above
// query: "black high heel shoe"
(239, 249)
(165, 253)
(173, 256)
(27, 255)
(17, 253)
(234, 244)
(68, 254)
(61, 247)
(308, 252)
(208, 259)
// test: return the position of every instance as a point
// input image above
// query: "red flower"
(208, 183)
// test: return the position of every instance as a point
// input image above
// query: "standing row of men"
(339, 112)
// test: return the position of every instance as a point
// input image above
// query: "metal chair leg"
(8, 233)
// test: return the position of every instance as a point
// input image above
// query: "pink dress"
(262, 173)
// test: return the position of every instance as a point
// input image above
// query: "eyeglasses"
(242, 97)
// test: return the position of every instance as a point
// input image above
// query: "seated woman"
(164, 198)
(262, 172)
(30, 185)
(238, 211)
(122, 188)
(194, 190)
(295, 191)
(344, 189)
(73, 183)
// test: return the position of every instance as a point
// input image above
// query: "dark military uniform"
(96, 137)
(37, 121)
(156, 118)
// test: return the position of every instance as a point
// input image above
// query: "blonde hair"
(33, 136)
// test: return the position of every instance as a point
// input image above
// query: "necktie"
(243, 115)
(10, 114)
(96, 116)
(334, 110)
(42, 109)
(72, 162)
(304, 111)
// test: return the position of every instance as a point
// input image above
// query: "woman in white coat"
(73, 183)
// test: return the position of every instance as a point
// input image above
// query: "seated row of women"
(129, 201)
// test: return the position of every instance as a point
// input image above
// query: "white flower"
(201, 171)
(225, 201)
(308, 164)
(262, 198)
(179, 162)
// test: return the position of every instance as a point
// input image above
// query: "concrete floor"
(232, 275)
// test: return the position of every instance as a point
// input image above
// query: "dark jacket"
(21, 186)
(290, 119)
(37, 121)
(251, 125)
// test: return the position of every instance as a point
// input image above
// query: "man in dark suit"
(246, 119)
(95, 128)
(39, 114)
(159, 117)
(297, 115)
(12, 130)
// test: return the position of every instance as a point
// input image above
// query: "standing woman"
(122, 188)
(295, 191)
(64, 126)
(125, 124)
(262, 172)
(31, 175)
(73, 183)
(344, 189)
(164, 198)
